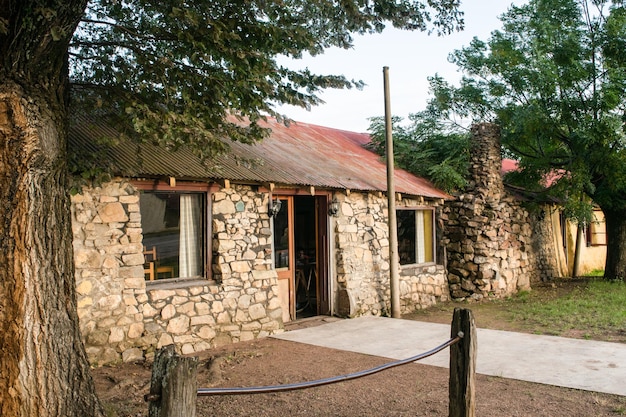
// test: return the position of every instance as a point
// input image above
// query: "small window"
(415, 236)
(281, 236)
(596, 231)
(173, 234)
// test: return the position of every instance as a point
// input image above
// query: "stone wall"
(122, 318)
(489, 235)
(125, 318)
(362, 261)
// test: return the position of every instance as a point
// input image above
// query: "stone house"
(174, 250)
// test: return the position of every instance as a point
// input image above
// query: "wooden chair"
(151, 266)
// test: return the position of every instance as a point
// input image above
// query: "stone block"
(178, 325)
(132, 355)
(202, 308)
(244, 301)
(116, 335)
(168, 312)
(135, 330)
(187, 309)
(199, 320)
(224, 206)
(87, 258)
(223, 318)
(222, 339)
(164, 340)
(251, 326)
(129, 199)
(97, 338)
(84, 287)
(110, 302)
(241, 316)
(161, 295)
(133, 259)
(135, 283)
(187, 349)
(217, 307)
(108, 355)
(112, 212)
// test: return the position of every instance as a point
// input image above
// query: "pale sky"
(411, 58)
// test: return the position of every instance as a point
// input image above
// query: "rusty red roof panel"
(301, 154)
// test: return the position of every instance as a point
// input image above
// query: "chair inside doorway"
(305, 285)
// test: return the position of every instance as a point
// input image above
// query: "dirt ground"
(410, 390)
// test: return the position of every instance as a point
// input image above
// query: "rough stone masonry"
(490, 251)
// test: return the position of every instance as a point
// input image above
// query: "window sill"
(175, 283)
(417, 268)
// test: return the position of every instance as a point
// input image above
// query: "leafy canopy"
(174, 70)
(554, 79)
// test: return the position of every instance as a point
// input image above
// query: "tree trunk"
(43, 365)
(577, 251)
(615, 267)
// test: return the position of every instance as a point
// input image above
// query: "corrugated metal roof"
(301, 154)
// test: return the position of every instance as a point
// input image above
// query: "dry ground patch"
(411, 390)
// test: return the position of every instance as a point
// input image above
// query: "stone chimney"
(488, 233)
(486, 162)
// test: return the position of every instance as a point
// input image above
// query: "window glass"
(281, 236)
(406, 237)
(415, 236)
(596, 231)
(173, 234)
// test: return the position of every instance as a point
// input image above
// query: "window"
(281, 236)
(596, 231)
(173, 234)
(415, 236)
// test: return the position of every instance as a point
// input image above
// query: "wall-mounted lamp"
(274, 207)
(333, 208)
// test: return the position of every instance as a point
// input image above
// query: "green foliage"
(426, 147)
(171, 72)
(554, 79)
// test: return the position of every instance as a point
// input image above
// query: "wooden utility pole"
(394, 280)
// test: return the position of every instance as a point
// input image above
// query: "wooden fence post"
(463, 365)
(174, 385)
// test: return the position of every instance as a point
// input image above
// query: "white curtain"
(190, 251)
(419, 241)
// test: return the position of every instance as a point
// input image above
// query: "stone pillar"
(486, 161)
(488, 232)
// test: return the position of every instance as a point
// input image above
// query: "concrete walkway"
(582, 364)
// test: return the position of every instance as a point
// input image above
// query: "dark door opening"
(310, 246)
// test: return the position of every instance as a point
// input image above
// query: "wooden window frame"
(415, 209)
(156, 185)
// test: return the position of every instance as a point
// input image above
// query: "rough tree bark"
(615, 266)
(43, 367)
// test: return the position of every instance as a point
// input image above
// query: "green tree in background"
(427, 146)
(167, 72)
(554, 79)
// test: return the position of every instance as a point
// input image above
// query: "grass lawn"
(589, 308)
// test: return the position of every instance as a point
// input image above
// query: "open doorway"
(301, 255)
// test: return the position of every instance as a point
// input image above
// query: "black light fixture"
(274, 207)
(333, 207)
